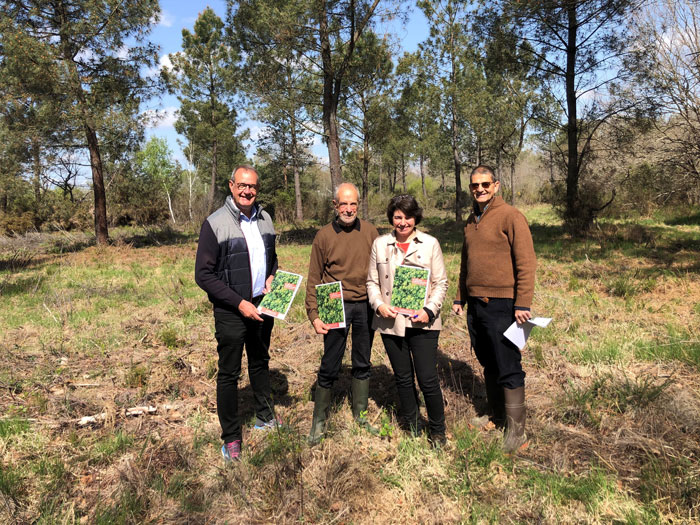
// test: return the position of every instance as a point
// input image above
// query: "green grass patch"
(560, 489)
(628, 285)
(13, 426)
(129, 508)
(185, 488)
(608, 351)
(136, 376)
(670, 478)
(111, 446)
(586, 404)
(11, 482)
(476, 457)
(280, 444)
(678, 345)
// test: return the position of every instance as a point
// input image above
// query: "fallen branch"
(133, 411)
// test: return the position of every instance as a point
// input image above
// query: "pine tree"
(71, 56)
(204, 76)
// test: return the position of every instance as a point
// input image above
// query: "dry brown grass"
(99, 330)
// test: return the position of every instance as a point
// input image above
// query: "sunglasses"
(485, 185)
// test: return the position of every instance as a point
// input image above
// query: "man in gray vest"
(236, 261)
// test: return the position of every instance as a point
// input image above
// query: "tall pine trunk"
(214, 167)
(365, 178)
(572, 171)
(98, 186)
(299, 212)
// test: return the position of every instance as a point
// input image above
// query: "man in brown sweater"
(340, 252)
(497, 283)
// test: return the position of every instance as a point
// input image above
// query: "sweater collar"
(495, 202)
(338, 228)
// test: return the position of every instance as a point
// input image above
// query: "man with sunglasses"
(497, 283)
(235, 264)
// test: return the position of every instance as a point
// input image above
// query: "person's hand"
(268, 284)
(319, 326)
(420, 317)
(249, 311)
(522, 316)
(386, 311)
(457, 309)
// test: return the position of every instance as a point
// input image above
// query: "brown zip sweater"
(498, 257)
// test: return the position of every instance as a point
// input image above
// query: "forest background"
(588, 110)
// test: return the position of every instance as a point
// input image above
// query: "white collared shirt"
(256, 250)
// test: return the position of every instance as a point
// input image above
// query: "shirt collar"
(237, 212)
(416, 237)
(338, 228)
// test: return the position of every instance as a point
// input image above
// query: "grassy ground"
(613, 391)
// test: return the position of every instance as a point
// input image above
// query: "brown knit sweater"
(340, 255)
(498, 257)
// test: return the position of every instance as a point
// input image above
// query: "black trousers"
(486, 322)
(233, 331)
(417, 357)
(358, 316)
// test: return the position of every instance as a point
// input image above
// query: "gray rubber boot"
(322, 401)
(515, 437)
(360, 401)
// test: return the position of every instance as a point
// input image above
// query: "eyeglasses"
(243, 186)
(475, 185)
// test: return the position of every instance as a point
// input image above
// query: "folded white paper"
(518, 333)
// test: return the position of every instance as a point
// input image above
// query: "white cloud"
(166, 19)
(122, 52)
(160, 118)
(164, 62)
(255, 132)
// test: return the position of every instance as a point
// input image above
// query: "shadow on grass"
(280, 394)
(455, 375)
(20, 287)
(157, 237)
(297, 236)
(460, 378)
(688, 220)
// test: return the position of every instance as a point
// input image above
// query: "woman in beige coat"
(410, 340)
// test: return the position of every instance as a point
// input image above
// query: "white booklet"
(518, 333)
(283, 290)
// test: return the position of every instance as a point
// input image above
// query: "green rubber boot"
(322, 401)
(360, 401)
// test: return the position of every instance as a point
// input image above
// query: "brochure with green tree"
(410, 289)
(282, 292)
(331, 310)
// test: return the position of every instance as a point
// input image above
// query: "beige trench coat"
(424, 252)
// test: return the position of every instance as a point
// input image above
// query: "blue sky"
(176, 15)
